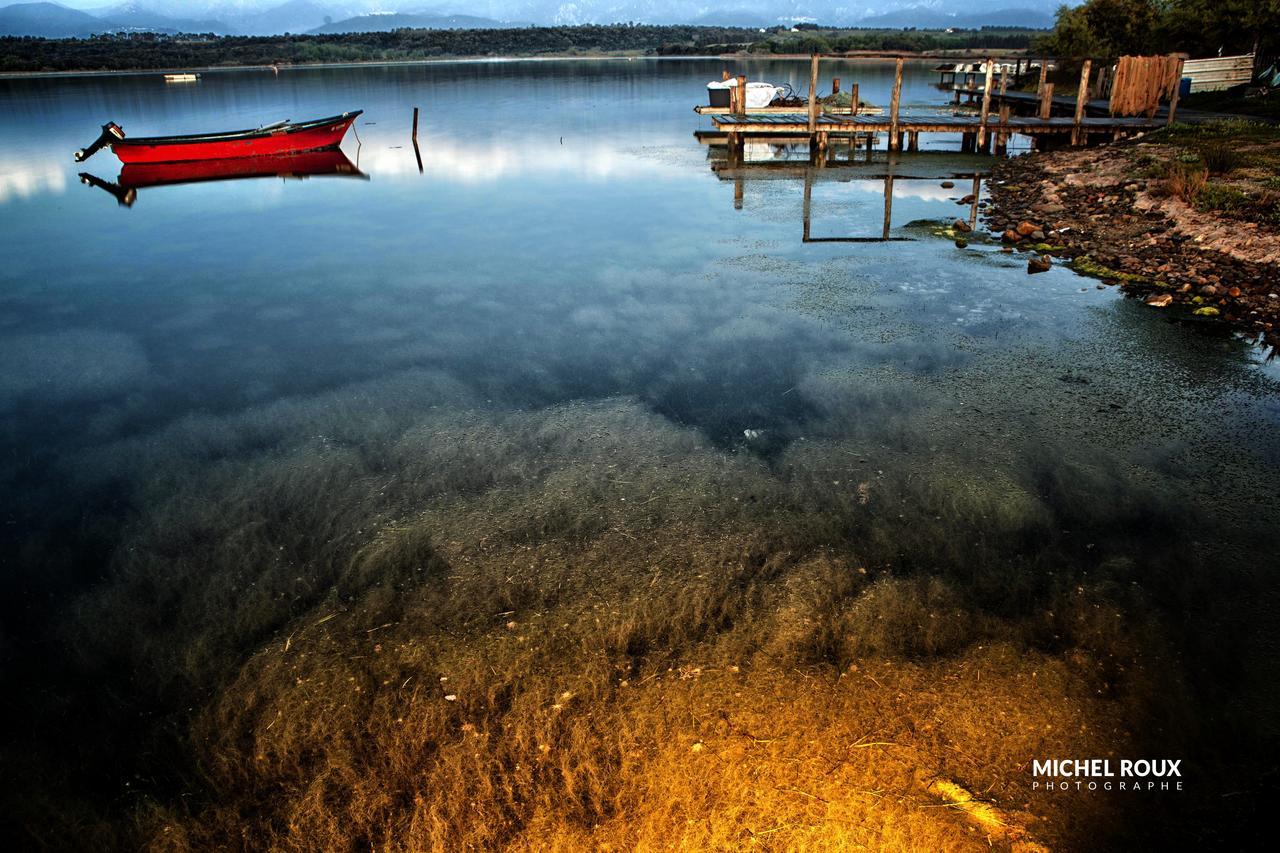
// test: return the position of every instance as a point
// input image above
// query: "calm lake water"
(567, 240)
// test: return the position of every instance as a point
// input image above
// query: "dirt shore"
(1210, 251)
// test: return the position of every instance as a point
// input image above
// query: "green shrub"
(1221, 197)
(1220, 158)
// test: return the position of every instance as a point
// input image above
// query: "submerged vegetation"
(338, 626)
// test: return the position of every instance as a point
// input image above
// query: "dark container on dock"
(718, 93)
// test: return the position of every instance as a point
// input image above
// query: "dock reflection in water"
(790, 159)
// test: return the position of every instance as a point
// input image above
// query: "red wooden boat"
(136, 176)
(280, 138)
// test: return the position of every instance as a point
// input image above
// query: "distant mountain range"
(268, 17)
(398, 20)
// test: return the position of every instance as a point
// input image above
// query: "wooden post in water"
(1177, 90)
(986, 104)
(1082, 98)
(724, 75)
(973, 208)
(1002, 138)
(853, 95)
(808, 201)
(1044, 75)
(894, 142)
(813, 93)
(415, 124)
(888, 202)
(742, 94)
(1046, 100)
(835, 85)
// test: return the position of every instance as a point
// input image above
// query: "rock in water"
(961, 226)
(946, 185)
(1038, 263)
(1160, 300)
(1011, 236)
(1026, 229)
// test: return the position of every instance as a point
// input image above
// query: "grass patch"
(1185, 180)
(1220, 158)
(1221, 198)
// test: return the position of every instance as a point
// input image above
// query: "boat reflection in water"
(136, 176)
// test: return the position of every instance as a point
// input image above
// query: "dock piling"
(986, 103)
(895, 142)
(1082, 98)
(741, 89)
(1173, 99)
(813, 93)
(415, 124)
(1046, 101)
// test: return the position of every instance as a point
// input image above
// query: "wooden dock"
(909, 127)
(980, 132)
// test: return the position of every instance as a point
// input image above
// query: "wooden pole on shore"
(986, 104)
(1177, 90)
(813, 93)
(1044, 75)
(894, 142)
(1082, 98)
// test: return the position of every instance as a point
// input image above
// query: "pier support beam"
(813, 93)
(895, 141)
(1082, 99)
(1046, 101)
(1173, 100)
(986, 103)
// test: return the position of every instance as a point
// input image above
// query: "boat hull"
(290, 139)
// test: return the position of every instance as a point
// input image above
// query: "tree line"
(142, 51)
(1110, 28)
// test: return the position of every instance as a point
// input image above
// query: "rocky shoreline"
(1109, 214)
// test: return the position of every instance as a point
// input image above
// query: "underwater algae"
(584, 626)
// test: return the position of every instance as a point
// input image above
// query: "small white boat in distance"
(181, 78)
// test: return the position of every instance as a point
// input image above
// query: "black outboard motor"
(110, 133)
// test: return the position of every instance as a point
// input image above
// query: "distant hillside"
(138, 17)
(295, 16)
(48, 20)
(387, 23)
(927, 18)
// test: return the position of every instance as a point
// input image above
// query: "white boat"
(181, 78)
